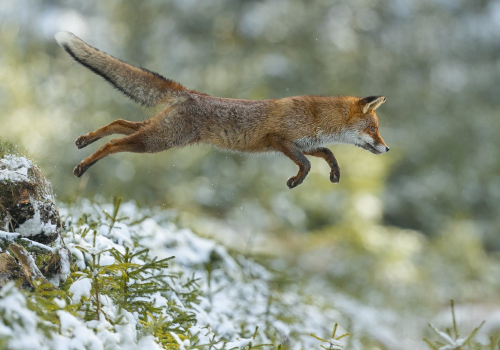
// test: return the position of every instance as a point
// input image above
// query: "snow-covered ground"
(238, 302)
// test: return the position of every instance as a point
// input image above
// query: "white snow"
(8, 236)
(65, 264)
(11, 236)
(239, 344)
(35, 225)
(38, 245)
(237, 297)
(19, 320)
(80, 288)
(450, 343)
(75, 334)
(14, 168)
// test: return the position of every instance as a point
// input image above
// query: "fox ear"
(372, 102)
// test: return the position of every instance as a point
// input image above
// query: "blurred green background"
(420, 223)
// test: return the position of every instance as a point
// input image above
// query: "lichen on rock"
(27, 203)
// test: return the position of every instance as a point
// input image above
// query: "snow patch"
(80, 288)
(14, 168)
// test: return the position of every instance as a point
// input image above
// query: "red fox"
(295, 126)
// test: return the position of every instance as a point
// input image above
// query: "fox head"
(363, 125)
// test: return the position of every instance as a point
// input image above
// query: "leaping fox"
(295, 126)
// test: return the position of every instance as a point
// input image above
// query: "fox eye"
(372, 128)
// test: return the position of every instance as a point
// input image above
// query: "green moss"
(7, 148)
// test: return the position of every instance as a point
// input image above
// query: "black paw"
(83, 141)
(294, 181)
(335, 175)
(79, 170)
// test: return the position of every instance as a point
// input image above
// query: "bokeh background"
(404, 231)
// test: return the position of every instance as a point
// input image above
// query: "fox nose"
(387, 149)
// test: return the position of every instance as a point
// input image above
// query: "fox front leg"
(290, 150)
(327, 154)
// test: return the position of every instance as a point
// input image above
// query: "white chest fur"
(320, 140)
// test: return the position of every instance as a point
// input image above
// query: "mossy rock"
(27, 204)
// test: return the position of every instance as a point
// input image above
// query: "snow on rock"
(35, 225)
(14, 168)
(27, 200)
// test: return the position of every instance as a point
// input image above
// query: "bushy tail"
(139, 84)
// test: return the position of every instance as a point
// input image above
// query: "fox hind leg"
(119, 126)
(327, 154)
(167, 130)
(136, 143)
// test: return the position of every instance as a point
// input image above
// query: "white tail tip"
(64, 38)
